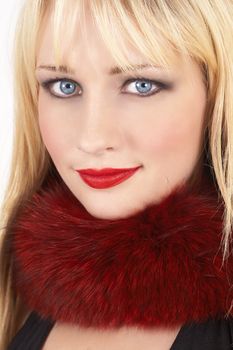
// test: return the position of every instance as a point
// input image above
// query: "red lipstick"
(107, 177)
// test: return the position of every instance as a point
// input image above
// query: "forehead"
(84, 40)
(70, 43)
(76, 35)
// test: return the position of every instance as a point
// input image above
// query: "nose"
(97, 131)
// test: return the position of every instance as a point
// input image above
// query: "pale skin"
(108, 125)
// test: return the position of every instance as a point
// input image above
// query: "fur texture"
(160, 267)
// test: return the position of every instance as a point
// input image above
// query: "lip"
(106, 177)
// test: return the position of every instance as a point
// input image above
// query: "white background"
(9, 14)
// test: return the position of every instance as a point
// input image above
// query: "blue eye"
(142, 87)
(62, 88)
(67, 87)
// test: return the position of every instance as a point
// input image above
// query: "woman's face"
(97, 119)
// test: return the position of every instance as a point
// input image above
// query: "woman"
(118, 215)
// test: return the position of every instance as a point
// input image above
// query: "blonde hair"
(159, 29)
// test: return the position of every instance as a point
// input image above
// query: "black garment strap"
(214, 334)
(33, 334)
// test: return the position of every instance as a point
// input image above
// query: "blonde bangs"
(120, 24)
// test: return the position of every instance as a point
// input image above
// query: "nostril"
(94, 148)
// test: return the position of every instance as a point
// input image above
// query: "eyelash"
(161, 86)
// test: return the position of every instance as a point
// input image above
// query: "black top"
(209, 335)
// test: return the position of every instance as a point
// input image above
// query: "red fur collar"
(159, 267)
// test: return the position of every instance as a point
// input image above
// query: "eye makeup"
(48, 85)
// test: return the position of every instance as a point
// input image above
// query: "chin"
(106, 214)
(114, 213)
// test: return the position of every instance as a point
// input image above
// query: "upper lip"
(105, 171)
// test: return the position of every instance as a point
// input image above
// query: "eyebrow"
(113, 71)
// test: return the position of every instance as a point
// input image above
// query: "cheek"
(51, 129)
(171, 132)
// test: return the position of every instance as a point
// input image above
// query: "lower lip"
(107, 181)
